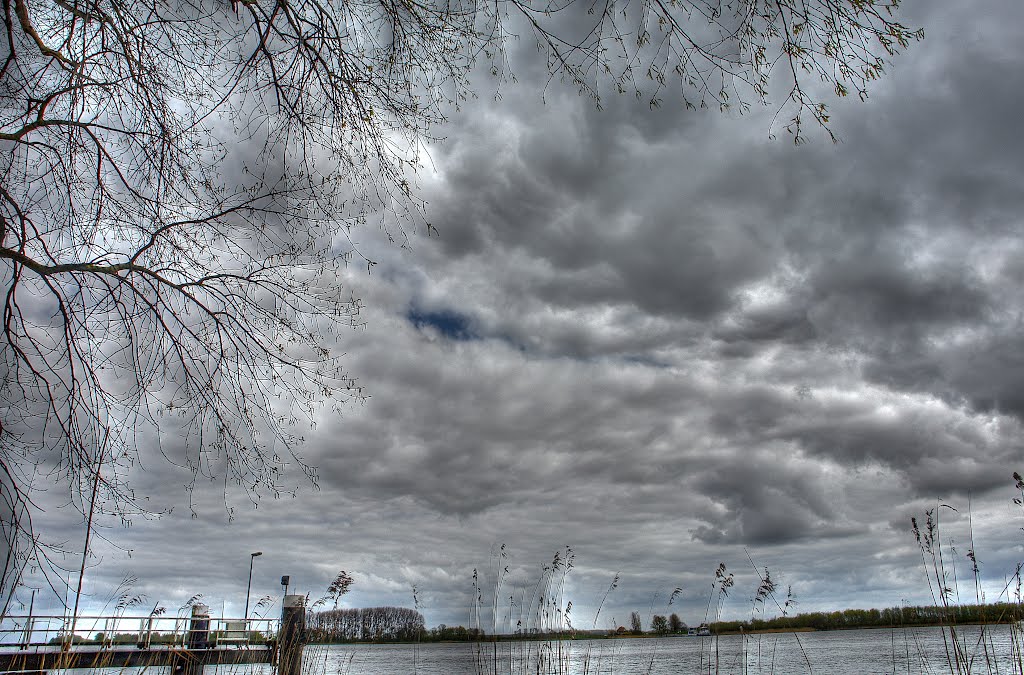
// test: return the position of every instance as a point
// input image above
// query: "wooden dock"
(178, 659)
(191, 651)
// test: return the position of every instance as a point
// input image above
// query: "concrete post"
(293, 635)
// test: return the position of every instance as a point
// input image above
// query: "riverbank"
(890, 617)
(584, 636)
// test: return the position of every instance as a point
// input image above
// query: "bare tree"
(636, 625)
(179, 181)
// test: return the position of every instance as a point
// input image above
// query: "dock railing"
(185, 644)
(120, 631)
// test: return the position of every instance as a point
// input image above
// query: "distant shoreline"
(333, 627)
(579, 637)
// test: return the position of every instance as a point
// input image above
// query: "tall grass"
(541, 616)
(530, 629)
(766, 592)
(972, 651)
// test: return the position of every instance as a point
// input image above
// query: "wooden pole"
(198, 637)
(199, 628)
(293, 635)
(27, 640)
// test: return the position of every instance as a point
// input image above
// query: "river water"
(854, 652)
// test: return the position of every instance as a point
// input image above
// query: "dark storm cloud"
(501, 426)
(597, 238)
(820, 302)
(763, 499)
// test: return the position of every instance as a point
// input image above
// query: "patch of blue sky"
(450, 324)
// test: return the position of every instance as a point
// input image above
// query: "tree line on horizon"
(400, 624)
(660, 625)
(999, 612)
(365, 624)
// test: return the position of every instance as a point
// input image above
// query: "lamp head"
(256, 554)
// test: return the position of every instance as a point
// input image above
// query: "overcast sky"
(666, 340)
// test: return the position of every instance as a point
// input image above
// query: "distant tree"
(180, 180)
(443, 633)
(636, 625)
(369, 624)
(675, 624)
(659, 624)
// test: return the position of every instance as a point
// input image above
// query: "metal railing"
(120, 631)
(184, 643)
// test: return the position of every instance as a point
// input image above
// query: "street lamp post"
(252, 559)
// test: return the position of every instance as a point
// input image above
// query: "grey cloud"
(779, 323)
(764, 498)
(982, 371)
(687, 339)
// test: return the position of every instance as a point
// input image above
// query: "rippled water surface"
(860, 652)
